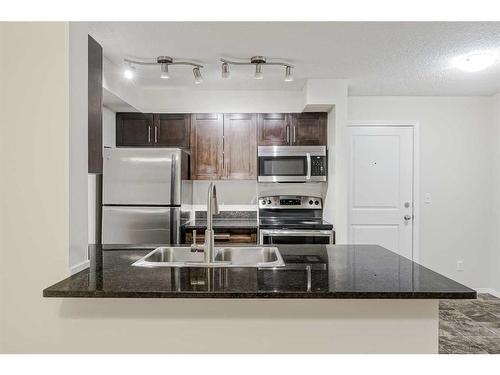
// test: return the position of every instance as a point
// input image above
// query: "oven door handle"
(267, 232)
(308, 157)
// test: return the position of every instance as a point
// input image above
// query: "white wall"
(241, 101)
(231, 195)
(108, 127)
(495, 263)
(78, 144)
(123, 89)
(457, 166)
(34, 213)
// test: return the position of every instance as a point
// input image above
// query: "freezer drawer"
(142, 176)
(140, 225)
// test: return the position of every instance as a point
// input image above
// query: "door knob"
(407, 217)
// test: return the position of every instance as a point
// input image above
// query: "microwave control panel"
(318, 166)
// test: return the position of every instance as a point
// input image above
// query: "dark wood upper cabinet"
(134, 129)
(223, 146)
(172, 130)
(273, 129)
(207, 131)
(309, 129)
(240, 146)
(292, 129)
(94, 106)
(153, 130)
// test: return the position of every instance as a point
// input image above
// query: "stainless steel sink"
(250, 256)
(258, 257)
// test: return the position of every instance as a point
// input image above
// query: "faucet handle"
(195, 248)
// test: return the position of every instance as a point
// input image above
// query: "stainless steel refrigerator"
(147, 193)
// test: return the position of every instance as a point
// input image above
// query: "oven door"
(281, 168)
(292, 237)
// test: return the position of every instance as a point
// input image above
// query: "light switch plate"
(427, 198)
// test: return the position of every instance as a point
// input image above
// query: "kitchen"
(222, 189)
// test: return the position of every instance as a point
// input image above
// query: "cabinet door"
(134, 129)
(172, 130)
(94, 106)
(274, 129)
(309, 129)
(240, 146)
(206, 146)
(223, 236)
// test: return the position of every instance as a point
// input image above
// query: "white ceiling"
(377, 58)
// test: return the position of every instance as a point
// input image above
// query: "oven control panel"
(290, 202)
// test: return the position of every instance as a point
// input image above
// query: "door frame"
(416, 175)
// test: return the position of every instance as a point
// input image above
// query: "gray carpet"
(470, 326)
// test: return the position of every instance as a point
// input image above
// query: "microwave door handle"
(308, 157)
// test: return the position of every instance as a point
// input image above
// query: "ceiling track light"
(129, 72)
(164, 62)
(197, 75)
(225, 70)
(259, 62)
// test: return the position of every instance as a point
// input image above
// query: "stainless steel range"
(293, 219)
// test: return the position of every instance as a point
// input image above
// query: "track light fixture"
(129, 73)
(164, 71)
(164, 62)
(259, 62)
(197, 75)
(288, 74)
(225, 70)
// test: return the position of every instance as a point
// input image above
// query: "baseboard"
(79, 267)
(493, 292)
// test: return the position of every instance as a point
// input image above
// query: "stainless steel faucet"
(212, 208)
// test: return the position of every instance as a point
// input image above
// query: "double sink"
(251, 256)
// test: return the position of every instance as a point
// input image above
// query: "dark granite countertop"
(335, 271)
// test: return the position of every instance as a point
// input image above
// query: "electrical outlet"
(460, 266)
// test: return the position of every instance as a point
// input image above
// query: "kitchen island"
(327, 299)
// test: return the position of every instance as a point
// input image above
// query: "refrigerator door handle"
(172, 180)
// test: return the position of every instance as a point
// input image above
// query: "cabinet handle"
(288, 133)
(149, 133)
(156, 134)
(294, 134)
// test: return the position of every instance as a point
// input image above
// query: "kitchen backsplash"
(231, 195)
(243, 195)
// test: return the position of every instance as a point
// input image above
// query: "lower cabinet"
(222, 236)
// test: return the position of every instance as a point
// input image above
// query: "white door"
(381, 187)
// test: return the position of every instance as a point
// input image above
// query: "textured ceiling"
(377, 58)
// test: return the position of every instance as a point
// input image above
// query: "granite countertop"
(335, 271)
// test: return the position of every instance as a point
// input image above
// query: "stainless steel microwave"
(292, 163)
